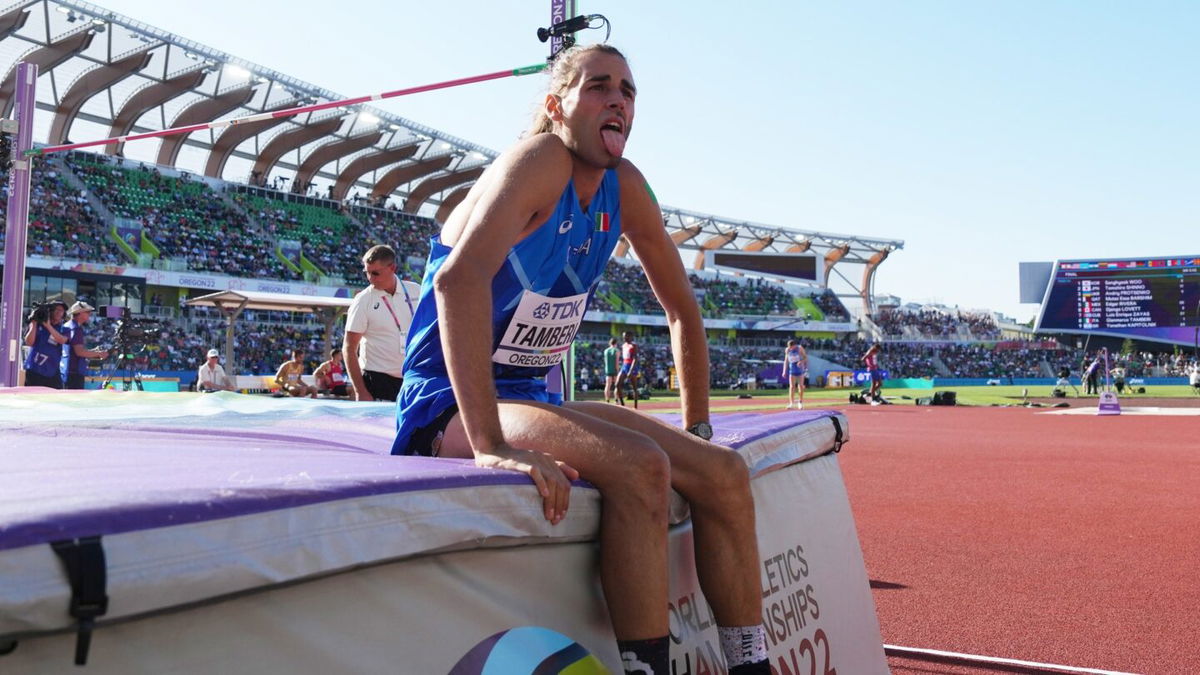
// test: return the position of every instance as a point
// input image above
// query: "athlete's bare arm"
(515, 196)
(642, 224)
(322, 373)
(280, 375)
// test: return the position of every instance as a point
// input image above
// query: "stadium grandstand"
(289, 204)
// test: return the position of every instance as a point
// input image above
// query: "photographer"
(43, 336)
(77, 354)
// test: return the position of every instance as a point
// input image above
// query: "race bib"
(339, 378)
(541, 330)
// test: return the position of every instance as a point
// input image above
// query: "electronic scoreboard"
(1143, 298)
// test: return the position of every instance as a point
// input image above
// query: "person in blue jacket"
(45, 340)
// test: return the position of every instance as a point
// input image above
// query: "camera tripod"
(124, 367)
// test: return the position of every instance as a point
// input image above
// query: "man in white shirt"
(377, 327)
(211, 376)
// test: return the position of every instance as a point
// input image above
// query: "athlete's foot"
(800, 405)
(789, 405)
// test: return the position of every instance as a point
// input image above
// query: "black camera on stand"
(129, 340)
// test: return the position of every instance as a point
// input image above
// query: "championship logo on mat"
(527, 650)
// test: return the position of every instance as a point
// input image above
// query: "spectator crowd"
(930, 323)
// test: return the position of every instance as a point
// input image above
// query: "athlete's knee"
(727, 474)
(645, 476)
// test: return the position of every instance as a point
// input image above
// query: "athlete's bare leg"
(608, 387)
(620, 387)
(633, 380)
(791, 391)
(633, 475)
(716, 483)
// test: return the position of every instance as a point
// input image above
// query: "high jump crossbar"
(291, 112)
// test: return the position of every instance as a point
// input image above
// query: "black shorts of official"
(75, 380)
(33, 379)
(381, 386)
(422, 441)
(339, 390)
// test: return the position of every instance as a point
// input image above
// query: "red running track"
(1060, 539)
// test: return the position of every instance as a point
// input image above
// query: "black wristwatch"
(701, 429)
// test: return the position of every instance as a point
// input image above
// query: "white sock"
(743, 644)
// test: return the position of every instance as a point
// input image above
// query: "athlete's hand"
(362, 394)
(552, 477)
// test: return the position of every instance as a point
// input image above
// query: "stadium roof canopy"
(102, 74)
(702, 232)
(282, 302)
(232, 303)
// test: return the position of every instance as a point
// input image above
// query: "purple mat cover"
(63, 482)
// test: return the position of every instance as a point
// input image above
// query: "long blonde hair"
(563, 71)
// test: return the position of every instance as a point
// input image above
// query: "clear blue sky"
(982, 133)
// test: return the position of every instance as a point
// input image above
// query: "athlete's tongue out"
(614, 141)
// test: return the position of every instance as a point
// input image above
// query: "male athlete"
(871, 361)
(795, 367)
(610, 370)
(331, 376)
(503, 296)
(290, 376)
(629, 369)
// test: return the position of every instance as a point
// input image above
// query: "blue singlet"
(539, 296)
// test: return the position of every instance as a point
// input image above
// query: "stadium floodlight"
(367, 118)
(99, 22)
(235, 70)
(64, 9)
(394, 127)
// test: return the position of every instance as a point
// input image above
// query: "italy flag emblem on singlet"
(603, 222)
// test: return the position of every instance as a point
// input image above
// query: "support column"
(329, 317)
(832, 256)
(869, 279)
(231, 312)
(17, 228)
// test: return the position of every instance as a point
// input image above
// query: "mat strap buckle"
(83, 561)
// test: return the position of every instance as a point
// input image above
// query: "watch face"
(702, 429)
